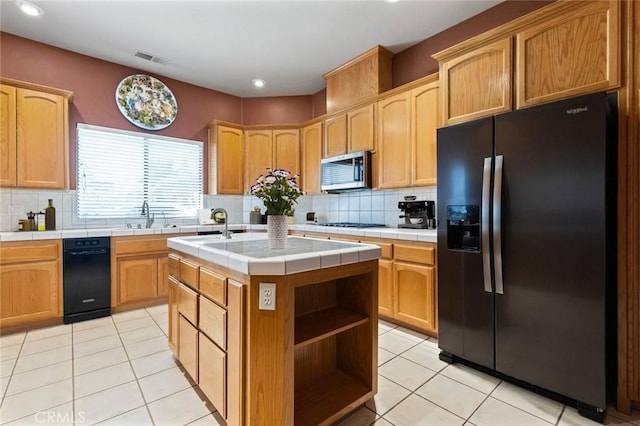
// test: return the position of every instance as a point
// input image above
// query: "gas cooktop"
(353, 225)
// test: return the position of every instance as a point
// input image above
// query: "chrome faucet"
(147, 214)
(225, 233)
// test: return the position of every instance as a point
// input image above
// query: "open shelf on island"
(318, 325)
(324, 402)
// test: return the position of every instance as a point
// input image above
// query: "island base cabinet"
(188, 347)
(212, 369)
(174, 294)
(332, 377)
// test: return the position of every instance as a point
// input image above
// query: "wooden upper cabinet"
(286, 150)
(311, 156)
(226, 156)
(477, 83)
(34, 146)
(41, 153)
(360, 129)
(424, 124)
(8, 138)
(394, 141)
(271, 148)
(335, 135)
(568, 55)
(258, 154)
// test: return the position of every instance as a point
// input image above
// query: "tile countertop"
(425, 235)
(249, 253)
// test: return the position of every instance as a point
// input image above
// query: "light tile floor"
(119, 371)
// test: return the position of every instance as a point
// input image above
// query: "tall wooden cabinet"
(393, 141)
(425, 120)
(35, 135)
(311, 155)
(226, 159)
(271, 148)
(406, 138)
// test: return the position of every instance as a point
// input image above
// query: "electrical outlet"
(267, 296)
(16, 210)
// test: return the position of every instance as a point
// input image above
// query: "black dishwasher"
(87, 278)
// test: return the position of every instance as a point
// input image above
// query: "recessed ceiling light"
(29, 8)
(258, 82)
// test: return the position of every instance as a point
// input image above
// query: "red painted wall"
(94, 81)
(276, 110)
(416, 61)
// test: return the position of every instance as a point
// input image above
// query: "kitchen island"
(276, 336)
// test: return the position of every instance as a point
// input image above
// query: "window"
(118, 170)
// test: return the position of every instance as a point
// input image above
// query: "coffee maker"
(417, 214)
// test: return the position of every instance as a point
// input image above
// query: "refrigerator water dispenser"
(463, 228)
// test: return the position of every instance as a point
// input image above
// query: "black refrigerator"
(526, 208)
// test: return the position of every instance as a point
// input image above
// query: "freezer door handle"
(486, 200)
(497, 221)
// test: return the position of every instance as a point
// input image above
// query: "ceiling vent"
(148, 57)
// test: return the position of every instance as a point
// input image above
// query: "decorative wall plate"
(146, 102)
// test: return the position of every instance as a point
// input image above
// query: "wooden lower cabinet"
(407, 281)
(163, 275)
(140, 270)
(414, 293)
(29, 292)
(188, 347)
(174, 294)
(212, 373)
(385, 287)
(30, 282)
(138, 279)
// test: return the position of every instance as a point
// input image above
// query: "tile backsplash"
(359, 206)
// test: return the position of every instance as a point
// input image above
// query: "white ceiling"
(224, 44)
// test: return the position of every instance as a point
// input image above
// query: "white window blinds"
(118, 170)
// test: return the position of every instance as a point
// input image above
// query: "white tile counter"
(249, 253)
(425, 235)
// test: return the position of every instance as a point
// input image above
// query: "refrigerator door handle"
(497, 221)
(486, 200)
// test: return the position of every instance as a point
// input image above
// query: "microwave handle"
(358, 174)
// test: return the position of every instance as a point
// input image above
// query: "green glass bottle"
(50, 217)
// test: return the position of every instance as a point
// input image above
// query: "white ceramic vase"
(277, 229)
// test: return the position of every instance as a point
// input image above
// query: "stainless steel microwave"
(346, 172)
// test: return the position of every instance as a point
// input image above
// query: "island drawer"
(213, 321)
(418, 254)
(188, 273)
(188, 347)
(213, 286)
(212, 373)
(174, 265)
(188, 303)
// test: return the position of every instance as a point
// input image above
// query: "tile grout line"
(4, 393)
(146, 405)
